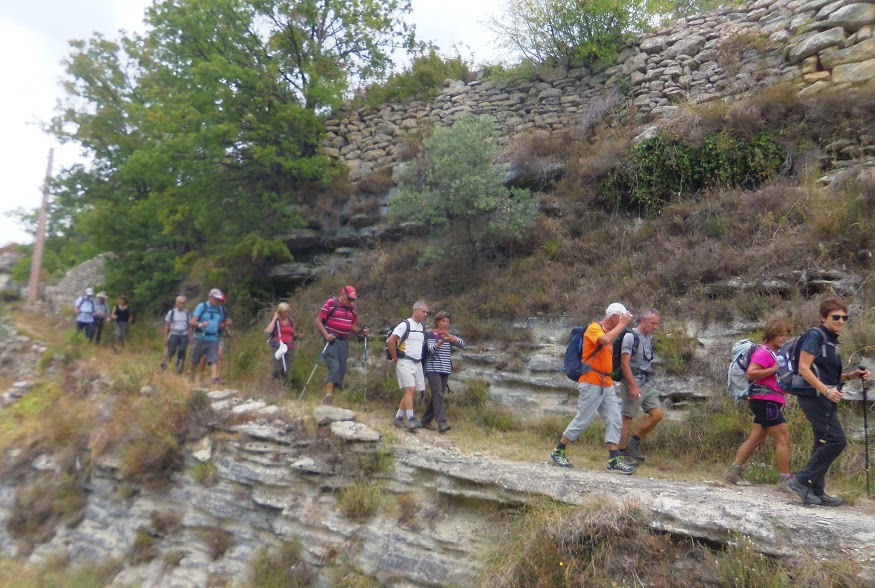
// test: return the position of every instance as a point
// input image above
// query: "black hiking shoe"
(618, 465)
(809, 498)
(827, 500)
(633, 450)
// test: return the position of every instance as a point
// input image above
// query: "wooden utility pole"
(36, 266)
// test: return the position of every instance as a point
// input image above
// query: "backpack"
(616, 360)
(572, 364)
(213, 310)
(788, 376)
(335, 304)
(399, 346)
(736, 377)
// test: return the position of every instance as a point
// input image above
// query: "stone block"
(853, 16)
(854, 73)
(809, 65)
(818, 76)
(860, 52)
(810, 44)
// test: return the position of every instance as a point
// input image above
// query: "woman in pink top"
(766, 402)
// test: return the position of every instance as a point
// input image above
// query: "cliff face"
(280, 476)
(726, 54)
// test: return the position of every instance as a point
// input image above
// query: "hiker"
(207, 320)
(405, 346)
(636, 390)
(123, 317)
(101, 312)
(766, 401)
(820, 365)
(177, 334)
(596, 390)
(337, 319)
(225, 332)
(438, 367)
(281, 329)
(84, 307)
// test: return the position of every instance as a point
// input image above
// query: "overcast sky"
(33, 41)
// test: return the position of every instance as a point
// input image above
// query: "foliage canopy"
(202, 131)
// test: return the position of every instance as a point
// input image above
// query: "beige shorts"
(410, 374)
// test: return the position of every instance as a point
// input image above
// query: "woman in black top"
(122, 317)
(820, 365)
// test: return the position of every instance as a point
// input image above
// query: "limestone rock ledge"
(279, 479)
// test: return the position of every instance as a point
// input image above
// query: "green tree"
(454, 186)
(567, 32)
(206, 130)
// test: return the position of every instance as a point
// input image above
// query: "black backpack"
(787, 375)
(399, 347)
(617, 370)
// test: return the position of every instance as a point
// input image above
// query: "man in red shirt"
(336, 321)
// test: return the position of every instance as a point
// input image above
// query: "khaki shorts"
(410, 374)
(647, 401)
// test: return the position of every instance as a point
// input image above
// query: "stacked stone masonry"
(728, 53)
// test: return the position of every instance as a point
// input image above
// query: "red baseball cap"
(350, 292)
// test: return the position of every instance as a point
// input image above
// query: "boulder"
(325, 415)
(356, 432)
(854, 73)
(852, 16)
(813, 43)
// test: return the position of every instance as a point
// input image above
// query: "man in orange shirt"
(596, 390)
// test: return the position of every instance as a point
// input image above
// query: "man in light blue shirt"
(84, 307)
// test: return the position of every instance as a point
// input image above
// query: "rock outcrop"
(277, 479)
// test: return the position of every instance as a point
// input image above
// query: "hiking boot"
(163, 366)
(444, 428)
(399, 423)
(783, 485)
(827, 500)
(809, 498)
(560, 457)
(328, 400)
(619, 466)
(429, 425)
(633, 450)
(413, 424)
(735, 475)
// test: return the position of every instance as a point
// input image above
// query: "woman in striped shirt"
(438, 367)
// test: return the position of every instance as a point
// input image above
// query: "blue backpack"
(572, 364)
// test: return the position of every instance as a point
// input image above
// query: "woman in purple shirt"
(766, 402)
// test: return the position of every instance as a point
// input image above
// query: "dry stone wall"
(736, 50)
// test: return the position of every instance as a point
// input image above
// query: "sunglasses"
(840, 317)
(442, 315)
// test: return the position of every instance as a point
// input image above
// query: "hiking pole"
(318, 359)
(366, 370)
(866, 429)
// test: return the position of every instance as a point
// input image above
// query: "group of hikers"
(817, 379)
(609, 352)
(92, 313)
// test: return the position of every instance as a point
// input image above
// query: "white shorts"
(410, 374)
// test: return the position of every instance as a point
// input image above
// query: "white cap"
(89, 292)
(615, 308)
(216, 293)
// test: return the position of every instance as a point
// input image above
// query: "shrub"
(422, 80)
(144, 549)
(219, 541)
(659, 170)
(205, 473)
(359, 501)
(280, 566)
(454, 186)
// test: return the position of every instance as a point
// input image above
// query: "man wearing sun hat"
(207, 319)
(84, 307)
(337, 319)
(596, 390)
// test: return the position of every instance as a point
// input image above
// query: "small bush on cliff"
(422, 80)
(453, 186)
(280, 566)
(566, 32)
